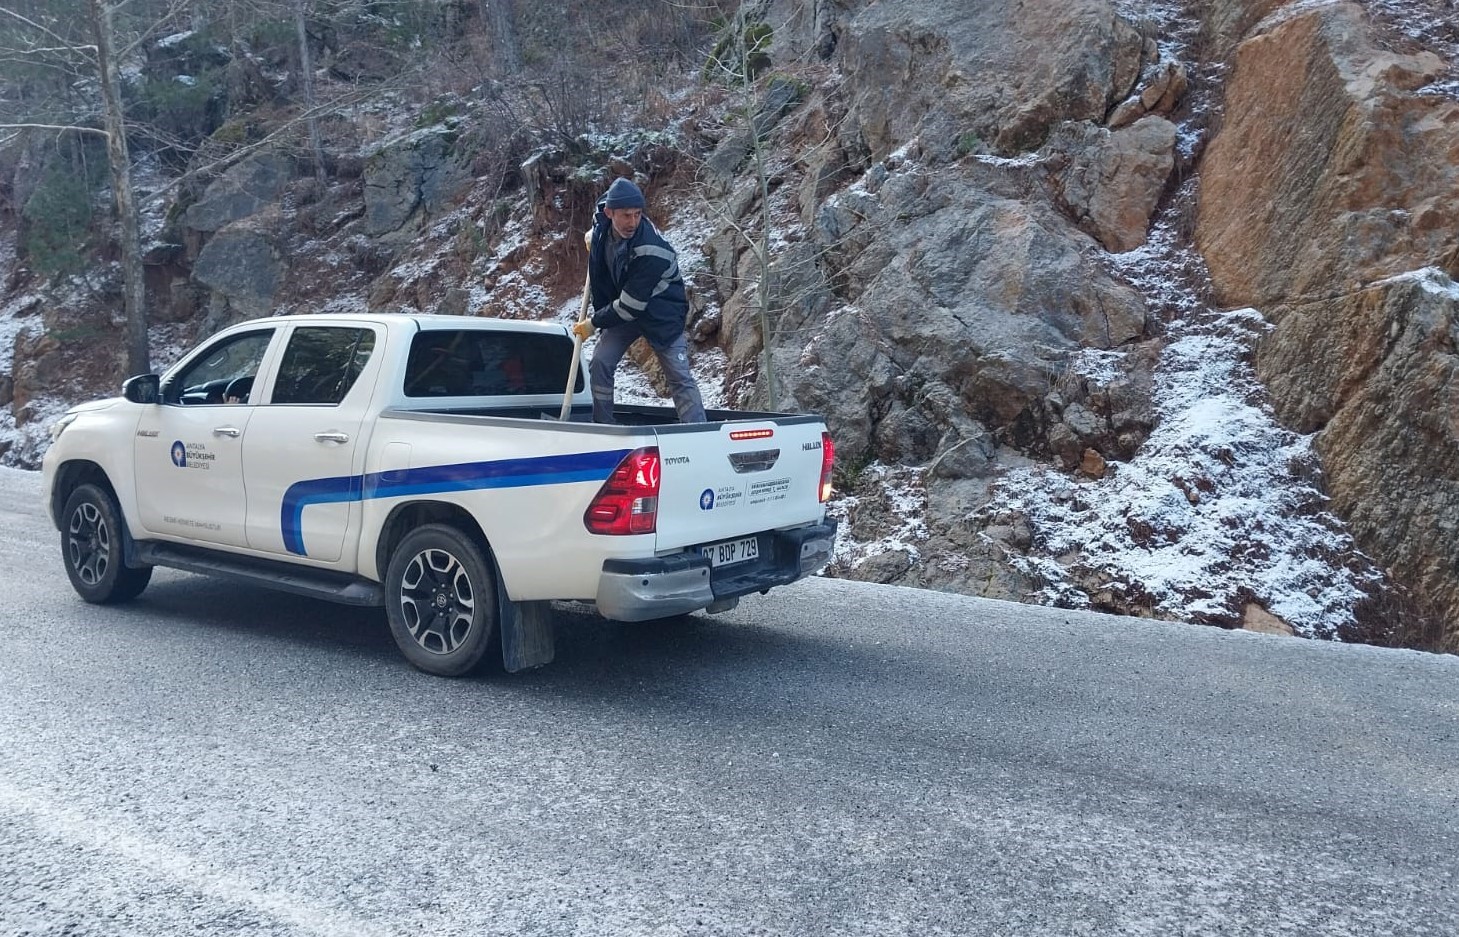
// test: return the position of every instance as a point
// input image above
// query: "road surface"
(834, 758)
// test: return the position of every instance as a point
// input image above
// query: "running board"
(317, 583)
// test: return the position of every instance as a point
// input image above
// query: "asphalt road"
(834, 758)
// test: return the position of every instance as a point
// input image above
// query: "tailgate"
(724, 480)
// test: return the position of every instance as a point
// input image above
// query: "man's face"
(625, 220)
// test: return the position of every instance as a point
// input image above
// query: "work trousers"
(613, 345)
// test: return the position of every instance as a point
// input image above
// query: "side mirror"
(143, 388)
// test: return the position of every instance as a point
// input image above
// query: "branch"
(37, 26)
(37, 49)
(61, 127)
(56, 63)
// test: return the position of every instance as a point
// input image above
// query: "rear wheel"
(441, 600)
(91, 546)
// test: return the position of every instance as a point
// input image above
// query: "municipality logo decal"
(706, 500)
(179, 454)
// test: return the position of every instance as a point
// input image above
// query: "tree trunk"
(762, 249)
(133, 287)
(306, 71)
(501, 19)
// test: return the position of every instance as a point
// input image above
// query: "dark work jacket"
(643, 290)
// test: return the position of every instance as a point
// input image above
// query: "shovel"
(577, 343)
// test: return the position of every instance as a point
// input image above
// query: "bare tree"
(133, 287)
(42, 43)
(736, 60)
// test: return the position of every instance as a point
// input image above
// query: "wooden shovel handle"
(577, 343)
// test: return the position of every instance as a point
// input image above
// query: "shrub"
(741, 54)
(185, 108)
(58, 215)
(440, 111)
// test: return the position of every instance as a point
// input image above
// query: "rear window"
(478, 363)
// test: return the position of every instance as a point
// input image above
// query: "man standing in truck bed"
(637, 292)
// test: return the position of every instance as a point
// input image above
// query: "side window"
(223, 373)
(487, 363)
(322, 363)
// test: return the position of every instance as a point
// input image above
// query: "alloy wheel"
(88, 543)
(437, 601)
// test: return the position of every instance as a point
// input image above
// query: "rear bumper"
(637, 590)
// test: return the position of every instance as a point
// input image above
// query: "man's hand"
(583, 330)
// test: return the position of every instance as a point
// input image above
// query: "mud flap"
(528, 633)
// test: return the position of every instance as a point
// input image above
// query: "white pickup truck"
(416, 462)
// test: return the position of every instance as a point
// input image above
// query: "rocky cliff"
(1330, 200)
(1011, 251)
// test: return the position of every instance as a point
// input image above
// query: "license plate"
(732, 551)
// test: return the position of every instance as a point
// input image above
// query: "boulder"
(241, 191)
(720, 169)
(1257, 619)
(722, 165)
(949, 301)
(244, 266)
(1161, 94)
(842, 373)
(412, 175)
(1111, 181)
(1001, 72)
(802, 29)
(1327, 173)
(887, 567)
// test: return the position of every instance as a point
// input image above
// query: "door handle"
(332, 437)
(232, 431)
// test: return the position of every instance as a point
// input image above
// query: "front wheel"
(91, 546)
(440, 600)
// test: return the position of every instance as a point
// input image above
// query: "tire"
(91, 547)
(440, 599)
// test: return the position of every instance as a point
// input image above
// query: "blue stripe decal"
(436, 479)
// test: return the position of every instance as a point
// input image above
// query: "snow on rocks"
(894, 495)
(1430, 279)
(1217, 511)
(1423, 22)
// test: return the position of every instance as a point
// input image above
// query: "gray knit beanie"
(623, 194)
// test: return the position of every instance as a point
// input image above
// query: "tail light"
(828, 461)
(628, 502)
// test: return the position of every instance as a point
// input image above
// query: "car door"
(187, 450)
(303, 453)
